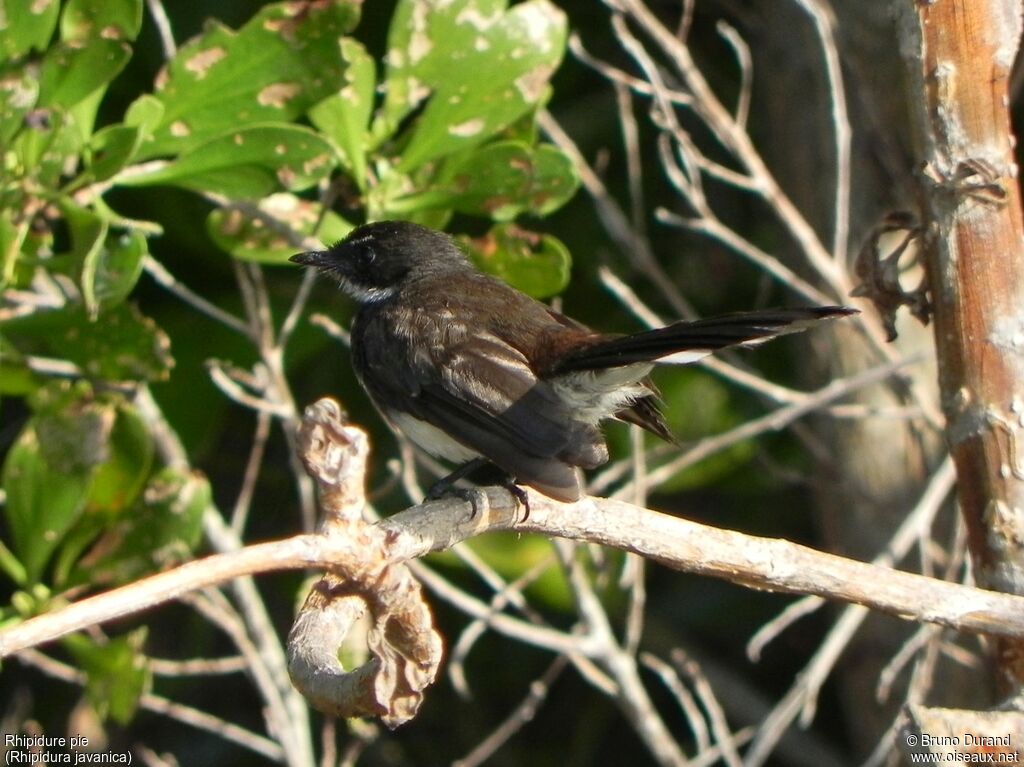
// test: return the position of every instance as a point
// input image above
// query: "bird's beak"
(317, 258)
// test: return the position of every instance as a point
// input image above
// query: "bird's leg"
(446, 485)
(519, 494)
(447, 482)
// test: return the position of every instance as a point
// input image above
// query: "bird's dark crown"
(375, 259)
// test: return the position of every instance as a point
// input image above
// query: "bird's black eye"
(365, 255)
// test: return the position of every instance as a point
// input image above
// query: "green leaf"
(87, 234)
(481, 66)
(284, 60)
(112, 495)
(119, 267)
(109, 19)
(117, 481)
(248, 163)
(11, 240)
(161, 530)
(46, 476)
(72, 72)
(93, 50)
(14, 570)
(110, 264)
(145, 113)
(26, 25)
(117, 672)
(47, 146)
(265, 233)
(16, 380)
(345, 116)
(537, 264)
(120, 345)
(111, 149)
(500, 181)
(19, 92)
(74, 436)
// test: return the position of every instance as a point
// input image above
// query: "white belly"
(432, 439)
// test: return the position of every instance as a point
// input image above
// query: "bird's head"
(374, 260)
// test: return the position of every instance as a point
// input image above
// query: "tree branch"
(762, 563)
(361, 560)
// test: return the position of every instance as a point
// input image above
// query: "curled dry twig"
(405, 648)
(881, 273)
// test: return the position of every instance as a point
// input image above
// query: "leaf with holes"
(500, 181)
(161, 530)
(280, 63)
(46, 477)
(476, 66)
(537, 264)
(27, 25)
(344, 117)
(19, 92)
(248, 163)
(109, 19)
(265, 233)
(122, 344)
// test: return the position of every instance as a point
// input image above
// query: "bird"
(477, 373)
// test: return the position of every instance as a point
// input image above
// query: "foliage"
(263, 122)
(281, 130)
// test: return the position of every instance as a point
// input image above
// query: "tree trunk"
(960, 54)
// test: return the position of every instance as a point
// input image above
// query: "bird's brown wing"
(483, 393)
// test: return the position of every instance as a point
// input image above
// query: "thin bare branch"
(510, 593)
(687, 703)
(198, 666)
(521, 716)
(736, 140)
(163, 27)
(215, 608)
(296, 734)
(910, 531)
(614, 220)
(724, 737)
(243, 503)
(822, 17)
(618, 76)
(223, 378)
(741, 51)
(716, 230)
(622, 666)
(166, 280)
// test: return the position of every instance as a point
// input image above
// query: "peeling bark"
(960, 54)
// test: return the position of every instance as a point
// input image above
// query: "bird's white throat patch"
(362, 294)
